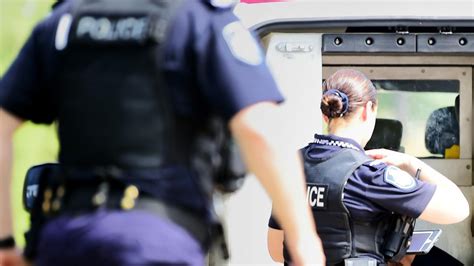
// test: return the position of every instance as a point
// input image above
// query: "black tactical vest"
(114, 109)
(113, 106)
(342, 236)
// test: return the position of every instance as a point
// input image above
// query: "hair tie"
(343, 96)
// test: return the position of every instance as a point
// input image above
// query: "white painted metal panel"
(254, 15)
(299, 77)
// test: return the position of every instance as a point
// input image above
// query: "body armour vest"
(113, 107)
(342, 237)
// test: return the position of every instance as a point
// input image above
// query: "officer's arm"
(448, 205)
(263, 143)
(275, 239)
(8, 125)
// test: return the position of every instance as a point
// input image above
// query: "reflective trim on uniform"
(399, 178)
(338, 143)
(242, 44)
(62, 32)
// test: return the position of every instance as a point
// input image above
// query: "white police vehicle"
(420, 55)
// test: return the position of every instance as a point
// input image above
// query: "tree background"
(33, 144)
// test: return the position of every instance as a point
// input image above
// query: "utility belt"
(55, 195)
(363, 261)
(76, 198)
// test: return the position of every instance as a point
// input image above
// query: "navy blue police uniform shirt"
(369, 194)
(212, 65)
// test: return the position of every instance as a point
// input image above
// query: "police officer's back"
(143, 92)
(355, 199)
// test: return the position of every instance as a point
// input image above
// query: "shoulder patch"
(223, 4)
(242, 44)
(398, 178)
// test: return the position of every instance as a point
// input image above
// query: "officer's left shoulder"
(370, 171)
(374, 165)
(380, 174)
(221, 4)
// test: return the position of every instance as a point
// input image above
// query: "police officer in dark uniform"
(143, 92)
(354, 197)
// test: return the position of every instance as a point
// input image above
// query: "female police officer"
(95, 66)
(353, 196)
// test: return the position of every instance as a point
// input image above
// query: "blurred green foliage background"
(33, 144)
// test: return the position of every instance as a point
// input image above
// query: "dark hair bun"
(332, 106)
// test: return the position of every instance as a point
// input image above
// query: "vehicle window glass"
(427, 112)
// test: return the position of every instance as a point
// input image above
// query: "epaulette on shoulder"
(221, 4)
(376, 163)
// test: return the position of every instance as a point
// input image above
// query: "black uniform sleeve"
(272, 223)
(22, 89)
(393, 189)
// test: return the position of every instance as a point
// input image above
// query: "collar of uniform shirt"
(333, 140)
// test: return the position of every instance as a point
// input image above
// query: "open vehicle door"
(420, 55)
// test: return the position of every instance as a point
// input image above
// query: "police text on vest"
(109, 29)
(316, 195)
